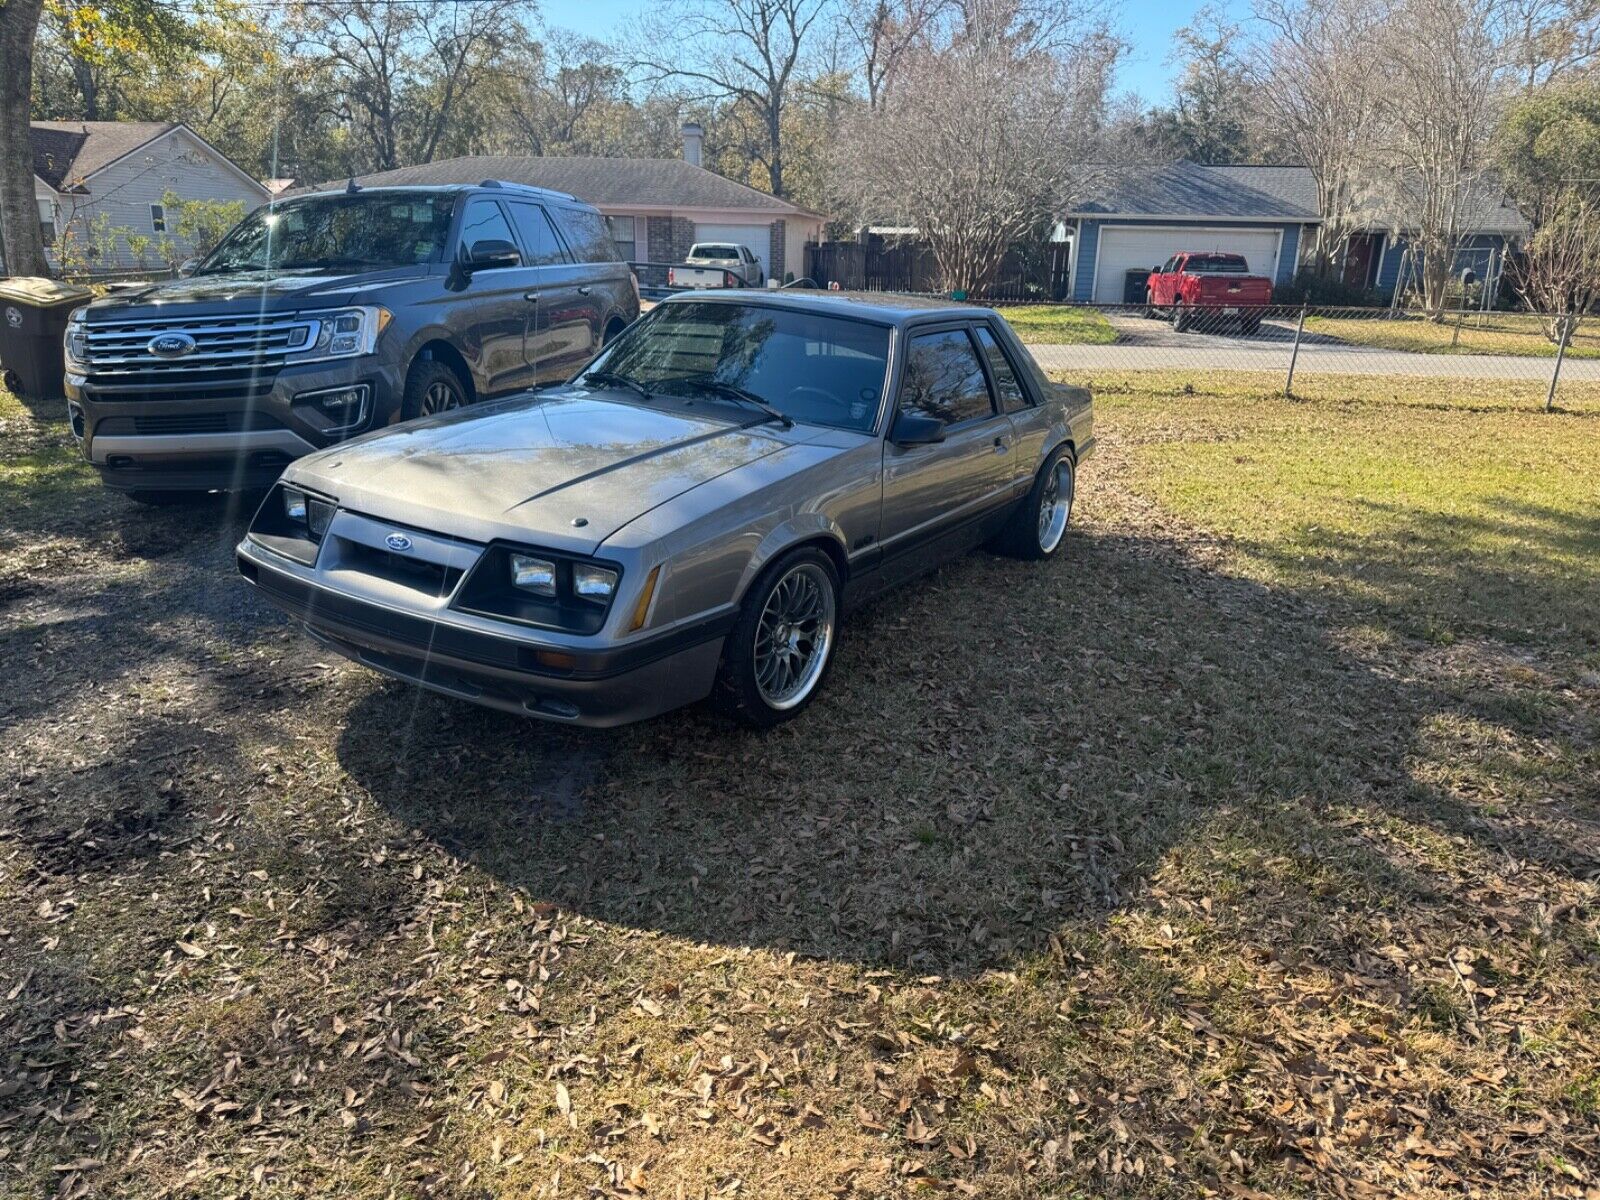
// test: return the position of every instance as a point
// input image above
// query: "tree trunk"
(775, 149)
(19, 211)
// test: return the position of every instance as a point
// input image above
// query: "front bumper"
(496, 663)
(230, 437)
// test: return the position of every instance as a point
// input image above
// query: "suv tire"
(431, 387)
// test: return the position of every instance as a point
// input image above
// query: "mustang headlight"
(342, 333)
(536, 575)
(314, 514)
(292, 522)
(591, 582)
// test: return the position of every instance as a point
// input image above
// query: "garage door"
(756, 237)
(1123, 250)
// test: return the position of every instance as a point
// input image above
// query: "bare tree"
(1318, 88)
(401, 65)
(981, 144)
(1558, 273)
(1449, 67)
(564, 84)
(742, 51)
(884, 34)
(1555, 39)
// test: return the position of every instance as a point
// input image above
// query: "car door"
(577, 315)
(1030, 422)
(940, 499)
(497, 302)
(1160, 283)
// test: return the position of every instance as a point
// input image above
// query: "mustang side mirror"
(916, 429)
(492, 253)
(188, 267)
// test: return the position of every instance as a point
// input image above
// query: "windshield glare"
(365, 231)
(815, 369)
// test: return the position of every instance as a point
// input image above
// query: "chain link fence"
(1544, 355)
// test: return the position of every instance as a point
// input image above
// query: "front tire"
(1039, 525)
(781, 648)
(1182, 318)
(431, 388)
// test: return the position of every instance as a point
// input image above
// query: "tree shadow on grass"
(979, 776)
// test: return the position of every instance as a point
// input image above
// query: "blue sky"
(1147, 24)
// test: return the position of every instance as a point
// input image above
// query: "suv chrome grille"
(226, 352)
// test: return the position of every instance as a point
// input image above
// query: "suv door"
(937, 500)
(493, 325)
(558, 335)
(578, 326)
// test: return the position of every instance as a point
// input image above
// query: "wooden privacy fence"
(1035, 272)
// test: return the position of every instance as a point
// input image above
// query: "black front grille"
(180, 423)
(435, 579)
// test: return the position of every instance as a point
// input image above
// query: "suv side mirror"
(916, 429)
(491, 254)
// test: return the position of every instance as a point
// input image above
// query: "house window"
(622, 234)
(47, 222)
(158, 217)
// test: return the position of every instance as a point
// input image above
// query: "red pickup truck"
(1209, 287)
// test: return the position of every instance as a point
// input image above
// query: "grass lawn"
(1059, 324)
(1488, 333)
(1249, 848)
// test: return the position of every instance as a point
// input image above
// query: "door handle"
(584, 291)
(531, 297)
(1001, 445)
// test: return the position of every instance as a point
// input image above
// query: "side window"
(1012, 397)
(539, 244)
(1166, 267)
(158, 218)
(944, 379)
(484, 222)
(586, 234)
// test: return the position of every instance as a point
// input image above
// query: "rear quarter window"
(586, 234)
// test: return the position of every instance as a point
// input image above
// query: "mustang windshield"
(364, 231)
(819, 370)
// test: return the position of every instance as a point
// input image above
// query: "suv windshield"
(1216, 264)
(815, 369)
(364, 231)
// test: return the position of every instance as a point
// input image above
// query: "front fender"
(783, 537)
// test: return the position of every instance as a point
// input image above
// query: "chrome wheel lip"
(1055, 506)
(794, 636)
(440, 397)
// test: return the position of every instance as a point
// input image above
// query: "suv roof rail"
(529, 187)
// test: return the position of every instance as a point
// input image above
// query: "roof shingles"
(617, 182)
(67, 152)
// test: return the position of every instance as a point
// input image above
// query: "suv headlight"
(77, 340)
(342, 333)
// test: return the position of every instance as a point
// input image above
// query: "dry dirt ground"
(1248, 849)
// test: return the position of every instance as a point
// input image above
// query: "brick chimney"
(693, 136)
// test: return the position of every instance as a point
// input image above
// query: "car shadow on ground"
(979, 778)
(1277, 332)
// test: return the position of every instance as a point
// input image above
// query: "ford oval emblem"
(398, 542)
(171, 345)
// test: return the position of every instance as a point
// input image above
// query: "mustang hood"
(564, 469)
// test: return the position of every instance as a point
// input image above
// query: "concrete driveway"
(1149, 345)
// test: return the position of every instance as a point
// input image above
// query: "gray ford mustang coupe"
(687, 517)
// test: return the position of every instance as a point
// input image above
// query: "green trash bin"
(33, 322)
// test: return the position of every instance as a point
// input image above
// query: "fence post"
(1561, 353)
(1455, 338)
(1300, 326)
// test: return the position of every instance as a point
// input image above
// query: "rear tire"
(1039, 526)
(1150, 313)
(1250, 326)
(780, 650)
(432, 387)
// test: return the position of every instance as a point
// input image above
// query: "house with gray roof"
(656, 207)
(104, 182)
(1136, 218)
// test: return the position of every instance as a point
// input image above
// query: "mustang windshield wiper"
(734, 392)
(627, 381)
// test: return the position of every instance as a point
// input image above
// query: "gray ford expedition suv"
(327, 315)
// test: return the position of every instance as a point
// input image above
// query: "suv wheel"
(431, 387)
(781, 647)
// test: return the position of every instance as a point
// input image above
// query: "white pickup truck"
(717, 265)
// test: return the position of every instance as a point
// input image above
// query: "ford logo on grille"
(398, 542)
(171, 345)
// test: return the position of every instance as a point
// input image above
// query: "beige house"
(122, 171)
(656, 207)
